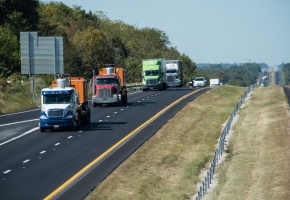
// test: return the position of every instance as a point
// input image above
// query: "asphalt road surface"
(61, 164)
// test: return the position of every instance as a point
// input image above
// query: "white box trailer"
(214, 82)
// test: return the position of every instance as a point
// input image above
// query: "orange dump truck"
(64, 104)
(109, 87)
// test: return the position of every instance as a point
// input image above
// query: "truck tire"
(124, 98)
(80, 121)
(88, 117)
(42, 129)
(94, 105)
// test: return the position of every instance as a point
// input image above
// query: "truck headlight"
(42, 115)
(69, 116)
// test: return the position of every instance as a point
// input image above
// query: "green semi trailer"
(154, 74)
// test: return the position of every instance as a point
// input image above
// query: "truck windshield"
(151, 73)
(105, 81)
(57, 99)
(171, 71)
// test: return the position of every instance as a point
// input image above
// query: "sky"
(209, 31)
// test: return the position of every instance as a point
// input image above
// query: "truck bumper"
(104, 100)
(56, 123)
(173, 84)
(150, 87)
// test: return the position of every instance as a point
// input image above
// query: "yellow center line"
(86, 168)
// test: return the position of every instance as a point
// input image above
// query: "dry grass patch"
(258, 166)
(15, 101)
(168, 165)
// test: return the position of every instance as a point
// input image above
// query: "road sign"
(41, 55)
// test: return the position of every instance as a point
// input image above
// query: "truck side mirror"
(77, 97)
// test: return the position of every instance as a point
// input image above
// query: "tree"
(92, 47)
(9, 52)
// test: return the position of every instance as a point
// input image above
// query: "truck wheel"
(88, 118)
(126, 99)
(42, 129)
(94, 105)
(79, 121)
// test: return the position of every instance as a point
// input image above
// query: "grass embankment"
(168, 165)
(258, 165)
(15, 99)
(16, 95)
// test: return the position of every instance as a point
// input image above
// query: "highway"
(61, 164)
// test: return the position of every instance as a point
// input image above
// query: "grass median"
(258, 165)
(168, 165)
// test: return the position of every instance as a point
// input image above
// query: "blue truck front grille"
(55, 112)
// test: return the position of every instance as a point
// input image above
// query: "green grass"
(168, 165)
(17, 95)
(20, 99)
(258, 163)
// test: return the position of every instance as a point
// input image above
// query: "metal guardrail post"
(221, 146)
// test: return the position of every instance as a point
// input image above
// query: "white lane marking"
(7, 171)
(69, 137)
(57, 144)
(115, 112)
(42, 152)
(100, 120)
(26, 161)
(27, 132)
(108, 116)
(20, 122)
(122, 109)
(18, 113)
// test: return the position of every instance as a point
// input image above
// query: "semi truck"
(64, 104)
(214, 82)
(174, 76)
(154, 74)
(109, 87)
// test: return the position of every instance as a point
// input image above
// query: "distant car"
(199, 82)
(191, 82)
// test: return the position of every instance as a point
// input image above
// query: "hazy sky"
(210, 31)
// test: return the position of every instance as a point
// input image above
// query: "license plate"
(104, 98)
(56, 126)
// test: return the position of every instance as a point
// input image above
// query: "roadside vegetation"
(258, 164)
(15, 92)
(15, 95)
(168, 165)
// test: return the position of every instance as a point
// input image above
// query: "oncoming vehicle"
(199, 82)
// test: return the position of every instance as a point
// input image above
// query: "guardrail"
(134, 87)
(220, 147)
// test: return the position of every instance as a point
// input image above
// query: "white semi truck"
(174, 76)
(64, 104)
(214, 82)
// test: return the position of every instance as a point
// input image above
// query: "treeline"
(286, 74)
(242, 75)
(90, 39)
